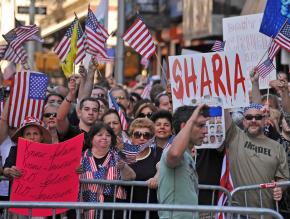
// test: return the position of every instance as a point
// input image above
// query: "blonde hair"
(141, 123)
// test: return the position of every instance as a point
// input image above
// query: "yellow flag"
(67, 65)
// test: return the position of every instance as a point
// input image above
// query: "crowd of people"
(256, 142)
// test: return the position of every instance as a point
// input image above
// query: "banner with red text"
(48, 173)
(219, 74)
(241, 33)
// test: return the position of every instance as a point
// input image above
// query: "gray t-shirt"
(177, 185)
(255, 160)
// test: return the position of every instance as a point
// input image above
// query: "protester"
(178, 179)
(104, 106)
(87, 113)
(163, 128)
(141, 131)
(145, 110)
(49, 119)
(112, 119)
(99, 161)
(163, 102)
(99, 91)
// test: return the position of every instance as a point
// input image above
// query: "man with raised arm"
(178, 179)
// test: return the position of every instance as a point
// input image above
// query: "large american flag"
(283, 37)
(27, 96)
(226, 182)
(19, 35)
(8, 53)
(140, 39)
(63, 47)
(218, 46)
(265, 68)
(273, 49)
(116, 106)
(96, 36)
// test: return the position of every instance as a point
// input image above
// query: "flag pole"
(158, 61)
(272, 41)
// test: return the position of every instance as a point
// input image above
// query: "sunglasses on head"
(48, 115)
(143, 115)
(251, 117)
(146, 135)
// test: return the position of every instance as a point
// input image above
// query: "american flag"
(226, 182)
(273, 49)
(96, 36)
(1, 101)
(131, 151)
(218, 46)
(146, 92)
(28, 92)
(21, 34)
(109, 59)
(140, 39)
(265, 68)
(63, 48)
(18, 55)
(283, 37)
(116, 106)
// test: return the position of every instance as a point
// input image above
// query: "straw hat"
(32, 121)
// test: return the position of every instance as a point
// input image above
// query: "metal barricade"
(133, 184)
(124, 207)
(257, 189)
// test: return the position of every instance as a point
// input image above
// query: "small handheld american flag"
(265, 68)
(27, 96)
(116, 106)
(218, 46)
(140, 39)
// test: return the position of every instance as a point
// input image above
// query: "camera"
(212, 111)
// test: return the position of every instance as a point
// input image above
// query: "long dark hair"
(96, 128)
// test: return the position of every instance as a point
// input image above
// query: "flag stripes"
(140, 39)
(27, 97)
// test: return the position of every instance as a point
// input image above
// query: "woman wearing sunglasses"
(145, 110)
(100, 161)
(140, 132)
(49, 119)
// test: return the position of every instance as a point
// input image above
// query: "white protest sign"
(241, 33)
(215, 74)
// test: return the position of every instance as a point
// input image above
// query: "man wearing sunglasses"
(255, 158)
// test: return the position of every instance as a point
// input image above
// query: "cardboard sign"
(215, 74)
(49, 173)
(241, 33)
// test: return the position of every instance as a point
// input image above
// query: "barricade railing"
(133, 184)
(260, 188)
(124, 207)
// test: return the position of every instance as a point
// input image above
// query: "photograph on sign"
(241, 33)
(215, 126)
(218, 74)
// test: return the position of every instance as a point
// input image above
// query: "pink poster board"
(49, 173)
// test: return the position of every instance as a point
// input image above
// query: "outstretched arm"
(182, 140)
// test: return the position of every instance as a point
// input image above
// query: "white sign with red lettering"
(219, 74)
(241, 33)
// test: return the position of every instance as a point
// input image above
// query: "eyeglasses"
(48, 115)
(143, 115)
(120, 98)
(146, 135)
(251, 117)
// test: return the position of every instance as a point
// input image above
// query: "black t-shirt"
(11, 159)
(74, 131)
(100, 161)
(208, 166)
(145, 169)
